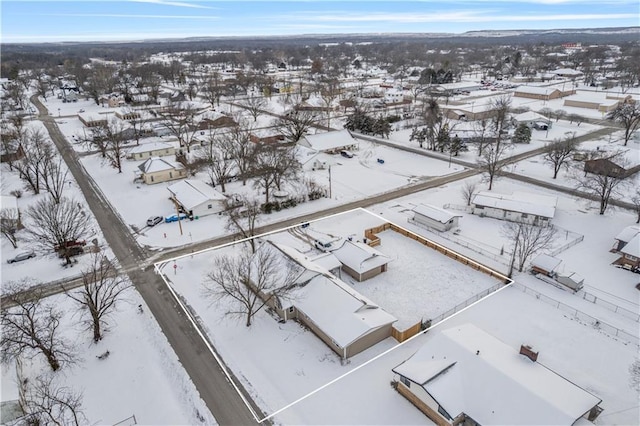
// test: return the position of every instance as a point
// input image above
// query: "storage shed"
(434, 217)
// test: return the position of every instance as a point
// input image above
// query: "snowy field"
(141, 377)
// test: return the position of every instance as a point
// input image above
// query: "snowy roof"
(89, 116)
(566, 71)
(330, 140)
(340, 311)
(434, 213)
(546, 262)
(571, 276)
(360, 257)
(474, 373)
(337, 309)
(148, 147)
(193, 193)
(530, 116)
(8, 202)
(536, 90)
(632, 248)
(523, 202)
(155, 164)
(327, 261)
(628, 233)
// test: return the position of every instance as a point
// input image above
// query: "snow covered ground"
(292, 375)
(141, 377)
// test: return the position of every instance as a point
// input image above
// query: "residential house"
(112, 100)
(608, 167)
(434, 217)
(92, 120)
(330, 142)
(10, 149)
(156, 170)
(628, 245)
(541, 93)
(342, 318)
(598, 101)
(196, 198)
(532, 120)
(464, 375)
(361, 261)
(518, 206)
(126, 114)
(152, 149)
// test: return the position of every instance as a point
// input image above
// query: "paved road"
(214, 388)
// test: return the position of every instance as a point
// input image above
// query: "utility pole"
(329, 181)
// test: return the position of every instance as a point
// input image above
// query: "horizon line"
(279, 36)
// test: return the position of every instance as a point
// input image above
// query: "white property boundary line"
(158, 266)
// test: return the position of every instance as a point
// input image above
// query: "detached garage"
(361, 261)
(197, 198)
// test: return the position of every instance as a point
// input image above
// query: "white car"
(22, 256)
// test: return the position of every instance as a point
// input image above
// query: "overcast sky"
(88, 20)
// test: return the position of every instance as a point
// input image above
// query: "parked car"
(175, 218)
(324, 246)
(154, 220)
(22, 256)
(346, 154)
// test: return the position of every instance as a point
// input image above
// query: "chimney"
(528, 351)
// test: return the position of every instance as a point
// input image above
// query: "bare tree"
(54, 225)
(219, 164)
(54, 176)
(101, 290)
(212, 89)
(601, 186)
(634, 374)
(559, 152)
(10, 224)
(242, 150)
(481, 131)
(499, 119)
(528, 239)
(242, 218)
(36, 152)
(492, 161)
(295, 125)
(330, 90)
(468, 190)
(628, 115)
(47, 403)
(250, 280)
(180, 119)
(635, 200)
(30, 327)
(255, 105)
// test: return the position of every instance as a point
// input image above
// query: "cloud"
(451, 16)
(174, 3)
(133, 16)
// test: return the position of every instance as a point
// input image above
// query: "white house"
(361, 261)
(518, 206)
(331, 142)
(153, 149)
(434, 217)
(463, 374)
(156, 170)
(530, 118)
(197, 198)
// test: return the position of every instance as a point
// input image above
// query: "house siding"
(365, 275)
(438, 226)
(423, 402)
(163, 176)
(368, 340)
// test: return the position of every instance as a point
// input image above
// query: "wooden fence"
(403, 335)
